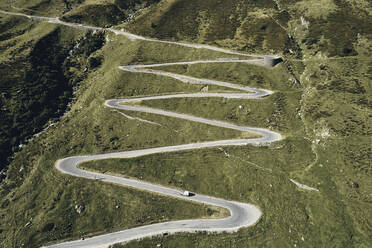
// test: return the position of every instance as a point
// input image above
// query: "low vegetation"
(87, 128)
(39, 75)
(321, 104)
(35, 88)
(97, 15)
(319, 150)
(248, 26)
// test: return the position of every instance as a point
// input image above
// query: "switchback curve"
(241, 214)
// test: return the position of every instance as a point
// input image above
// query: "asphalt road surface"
(241, 214)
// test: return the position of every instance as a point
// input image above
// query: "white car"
(187, 193)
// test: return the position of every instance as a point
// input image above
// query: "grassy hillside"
(321, 104)
(265, 26)
(94, 12)
(91, 128)
(34, 86)
(244, 25)
(327, 145)
(38, 73)
(329, 150)
(40, 65)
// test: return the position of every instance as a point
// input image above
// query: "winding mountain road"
(241, 214)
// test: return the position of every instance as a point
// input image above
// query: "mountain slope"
(321, 104)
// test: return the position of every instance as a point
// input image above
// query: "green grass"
(55, 217)
(279, 111)
(96, 14)
(240, 73)
(87, 128)
(35, 87)
(333, 157)
(321, 105)
(337, 216)
(93, 12)
(229, 23)
(211, 171)
(333, 97)
(317, 9)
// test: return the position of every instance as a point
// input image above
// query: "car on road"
(187, 193)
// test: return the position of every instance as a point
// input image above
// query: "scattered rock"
(304, 22)
(204, 89)
(79, 209)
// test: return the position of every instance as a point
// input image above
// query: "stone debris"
(303, 186)
(204, 89)
(79, 209)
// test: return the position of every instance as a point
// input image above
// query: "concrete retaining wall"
(271, 61)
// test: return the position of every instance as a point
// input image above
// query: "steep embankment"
(38, 77)
(37, 82)
(321, 103)
(333, 26)
(34, 86)
(243, 25)
(242, 215)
